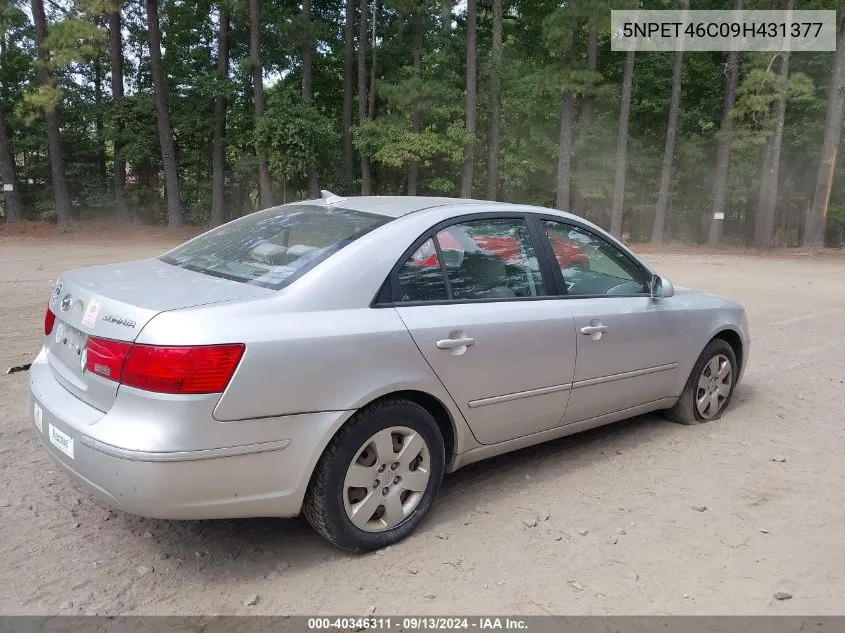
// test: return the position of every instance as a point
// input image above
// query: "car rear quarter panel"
(301, 362)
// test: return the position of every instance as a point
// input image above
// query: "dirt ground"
(599, 523)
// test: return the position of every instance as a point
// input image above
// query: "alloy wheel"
(714, 387)
(386, 479)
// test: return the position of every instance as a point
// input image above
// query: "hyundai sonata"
(337, 356)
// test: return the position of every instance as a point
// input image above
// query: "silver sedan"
(337, 356)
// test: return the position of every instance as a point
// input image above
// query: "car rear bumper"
(241, 480)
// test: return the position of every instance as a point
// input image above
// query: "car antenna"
(330, 198)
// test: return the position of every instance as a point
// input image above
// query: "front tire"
(710, 385)
(378, 477)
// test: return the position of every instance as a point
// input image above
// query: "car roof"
(392, 206)
(397, 206)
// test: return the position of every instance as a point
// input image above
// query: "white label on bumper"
(60, 440)
(38, 416)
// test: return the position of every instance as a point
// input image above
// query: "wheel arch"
(683, 409)
(444, 418)
(734, 339)
(438, 410)
(727, 332)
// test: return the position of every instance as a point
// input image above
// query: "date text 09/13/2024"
(428, 623)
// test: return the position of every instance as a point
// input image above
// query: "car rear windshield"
(274, 247)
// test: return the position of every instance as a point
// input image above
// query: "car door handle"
(452, 343)
(593, 329)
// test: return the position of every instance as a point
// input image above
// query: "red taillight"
(105, 358)
(198, 369)
(49, 322)
(201, 369)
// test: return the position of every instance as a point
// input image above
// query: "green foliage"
(544, 55)
(41, 98)
(73, 40)
(761, 88)
(294, 133)
(391, 142)
(136, 117)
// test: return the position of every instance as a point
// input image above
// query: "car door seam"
(436, 375)
(627, 374)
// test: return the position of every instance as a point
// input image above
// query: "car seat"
(480, 276)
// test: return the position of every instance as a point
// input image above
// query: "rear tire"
(706, 394)
(395, 451)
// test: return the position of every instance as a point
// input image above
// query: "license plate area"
(61, 440)
(69, 344)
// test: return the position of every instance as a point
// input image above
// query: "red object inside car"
(508, 249)
(567, 253)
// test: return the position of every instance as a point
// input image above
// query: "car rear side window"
(483, 259)
(490, 259)
(271, 248)
(421, 277)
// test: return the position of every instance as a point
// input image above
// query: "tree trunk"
(765, 218)
(308, 91)
(98, 121)
(243, 202)
(669, 150)
(492, 188)
(754, 198)
(816, 220)
(472, 99)
(417, 26)
(567, 122)
(587, 115)
(622, 146)
(51, 116)
(723, 153)
(348, 54)
(564, 158)
(761, 232)
(363, 23)
(165, 131)
(446, 6)
(218, 157)
(371, 105)
(265, 183)
(12, 204)
(12, 199)
(116, 62)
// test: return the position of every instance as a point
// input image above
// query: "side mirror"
(661, 288)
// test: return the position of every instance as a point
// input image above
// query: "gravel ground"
(642, 517)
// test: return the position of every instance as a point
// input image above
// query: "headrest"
(482, 270)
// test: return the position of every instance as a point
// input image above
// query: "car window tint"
(490, 259)
(421, 277)
(270, 247)
(591, 265)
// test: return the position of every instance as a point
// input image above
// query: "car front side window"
(592, 266)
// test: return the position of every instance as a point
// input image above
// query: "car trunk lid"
(115, 302)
